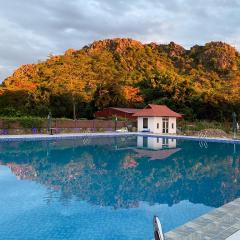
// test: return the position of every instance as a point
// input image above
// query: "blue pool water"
(110, 188)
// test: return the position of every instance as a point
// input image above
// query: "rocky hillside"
(202, 82)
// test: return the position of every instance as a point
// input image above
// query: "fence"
(61, 126)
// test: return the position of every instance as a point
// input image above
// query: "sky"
(30, 30)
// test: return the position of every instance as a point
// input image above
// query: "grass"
(199, 125)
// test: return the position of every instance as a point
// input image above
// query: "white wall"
(172, 121)
(157, 143)
(140, 141)
(152, 125)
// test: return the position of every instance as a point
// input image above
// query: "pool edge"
(40, 137)
(218, 224)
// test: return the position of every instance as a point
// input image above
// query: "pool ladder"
(158, 233)
(203, 143)
(86, 140)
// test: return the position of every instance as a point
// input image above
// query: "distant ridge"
(203, 81)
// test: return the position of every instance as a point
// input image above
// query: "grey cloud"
(31, 29)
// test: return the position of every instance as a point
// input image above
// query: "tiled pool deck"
(220, 224)
(235, 236)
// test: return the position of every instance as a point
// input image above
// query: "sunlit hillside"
(203, 82)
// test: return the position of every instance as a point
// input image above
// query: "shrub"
(199, 125)
(25, 122)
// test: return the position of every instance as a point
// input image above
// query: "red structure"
(118, 112)
(153, 110)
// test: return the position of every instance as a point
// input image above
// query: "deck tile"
(216, 225)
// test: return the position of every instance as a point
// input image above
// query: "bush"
(10, 112)
(25, 122)
(199, 125)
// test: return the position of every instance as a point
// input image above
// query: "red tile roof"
(153, 110)
(117, 111)
(156, 154)
(126, 110)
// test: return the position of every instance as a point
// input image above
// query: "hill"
(203, 82)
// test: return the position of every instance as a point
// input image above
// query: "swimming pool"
(111, 187)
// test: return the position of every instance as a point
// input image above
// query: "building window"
(145, 122)
(165, 123)
(157, 125)
(172, 125)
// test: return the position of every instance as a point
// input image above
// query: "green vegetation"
(202, 83)
(199, 125)
(24, 122)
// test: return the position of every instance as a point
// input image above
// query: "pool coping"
(218, 224)
(194, 138)
(65, 136)
(40, 137)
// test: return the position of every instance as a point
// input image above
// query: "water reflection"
(122, 172)
(164, 147)
(156, 143)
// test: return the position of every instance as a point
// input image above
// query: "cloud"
(31, 29)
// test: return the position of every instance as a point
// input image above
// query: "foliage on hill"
(203, 82)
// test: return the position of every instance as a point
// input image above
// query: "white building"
(157, 119)
(156, 143)
(156, 148)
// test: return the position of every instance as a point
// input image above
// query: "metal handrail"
(203, 143)
(158, 233)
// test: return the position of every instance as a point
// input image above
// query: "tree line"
(202, 83)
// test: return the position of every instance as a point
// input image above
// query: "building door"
(145, 122)
(165, 125)
(165, 142)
